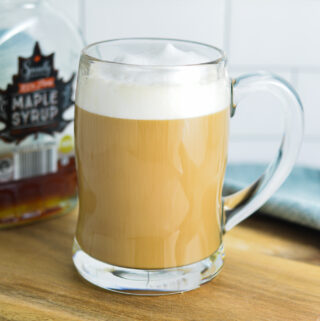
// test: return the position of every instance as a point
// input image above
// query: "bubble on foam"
(151, 93)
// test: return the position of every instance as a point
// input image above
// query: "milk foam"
(160, 55)
(154, 93)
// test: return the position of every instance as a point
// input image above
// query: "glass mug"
(151, 151)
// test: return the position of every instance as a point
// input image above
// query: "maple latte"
(151, 158)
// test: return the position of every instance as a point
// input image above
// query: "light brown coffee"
(150, 190)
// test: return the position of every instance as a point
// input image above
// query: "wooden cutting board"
(271, 272)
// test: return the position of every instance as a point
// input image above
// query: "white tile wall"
(247, 150)
(258, 115)
(309, 88)
(264, 150)
(281, 36)
(310, 153)
(200, 20)
(278, 36)
(278, 32)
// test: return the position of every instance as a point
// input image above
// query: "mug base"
(147, 282)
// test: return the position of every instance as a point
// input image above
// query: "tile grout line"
(280, 68)
(268, 138)
(82, 19)
(227, 26)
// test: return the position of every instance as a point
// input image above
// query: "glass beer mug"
(151, 135)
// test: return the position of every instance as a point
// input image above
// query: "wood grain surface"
(271, 272)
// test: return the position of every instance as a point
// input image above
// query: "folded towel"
(297, 200)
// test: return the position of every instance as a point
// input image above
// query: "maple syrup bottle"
(39, 52)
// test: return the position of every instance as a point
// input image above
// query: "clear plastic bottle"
(39, 53)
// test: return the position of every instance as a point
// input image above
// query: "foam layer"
(149, 93)
(162, 55)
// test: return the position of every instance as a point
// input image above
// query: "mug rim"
(217, 61)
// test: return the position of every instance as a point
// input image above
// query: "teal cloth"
(297, 200)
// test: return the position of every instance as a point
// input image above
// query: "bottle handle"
(240, 205)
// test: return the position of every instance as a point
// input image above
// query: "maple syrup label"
(35, 137)
(36, 99)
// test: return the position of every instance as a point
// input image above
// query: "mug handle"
(240, 205)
